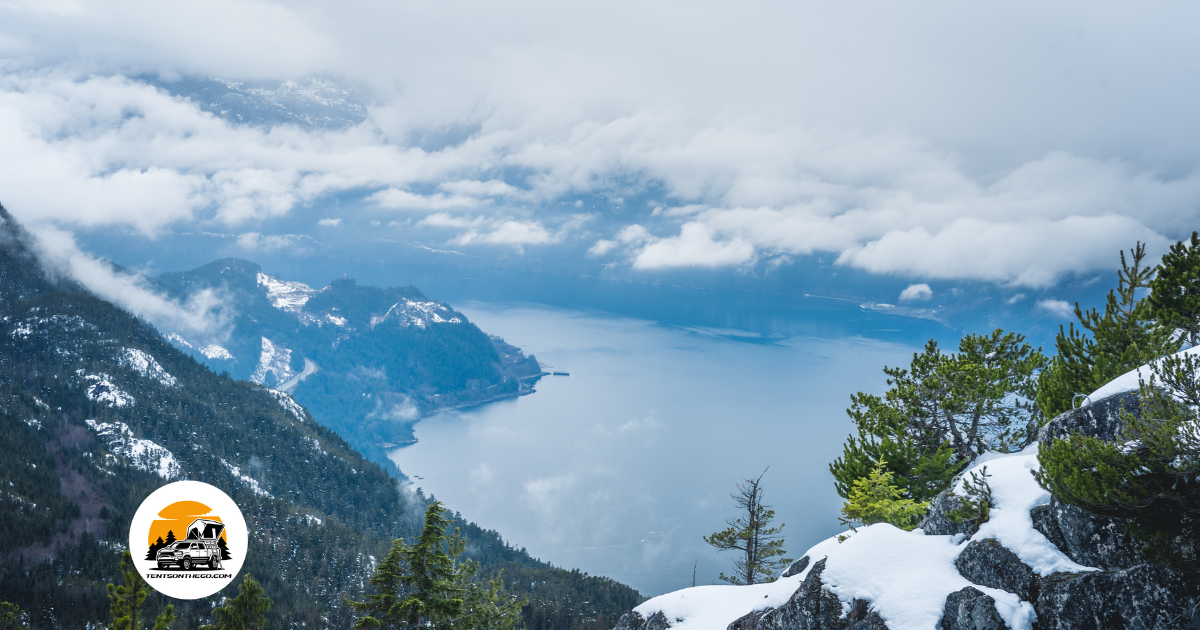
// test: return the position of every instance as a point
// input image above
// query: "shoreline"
(517, 394)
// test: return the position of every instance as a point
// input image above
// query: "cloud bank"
(1010, 144)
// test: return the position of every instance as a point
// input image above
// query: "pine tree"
(423, 586)
(1148, 475)
(224, 549)
(153, 553)
(876, 499)
(11, 617)
(942, 412)
(126, 601)
(1175, 294)
(488, 608)
(247, 611)
(170, 536)
(1124, 337)
(761, 544)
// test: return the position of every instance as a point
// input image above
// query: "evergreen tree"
(876, 499)
(1175, 294)
(752, 534)
(153, 553)
(247, 611)
(489, 608)
(942, 412)
(170, 537)
(224, 549)
(11, 617)
(126, 601)
(423, 586)
(1148, 475)
(1124, 337)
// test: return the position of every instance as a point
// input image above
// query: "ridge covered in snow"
(143, 454)
(286, 295)
(904, 576)
(146, 365)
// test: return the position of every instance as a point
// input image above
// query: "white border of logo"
(200, 581)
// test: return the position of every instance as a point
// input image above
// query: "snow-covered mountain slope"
(1037, 563)
(366, 361)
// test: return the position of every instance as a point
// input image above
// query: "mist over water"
(621, 467)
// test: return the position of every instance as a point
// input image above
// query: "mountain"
(98, 409)
(1036, 562)
(367, 361)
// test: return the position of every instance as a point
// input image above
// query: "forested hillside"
(97, 410)
(367, 361)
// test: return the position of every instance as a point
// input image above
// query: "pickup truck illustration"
(199, 548)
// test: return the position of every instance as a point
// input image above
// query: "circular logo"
(188, 540)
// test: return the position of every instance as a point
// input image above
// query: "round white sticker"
(188, 539)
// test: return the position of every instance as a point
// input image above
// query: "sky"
(1012, 143)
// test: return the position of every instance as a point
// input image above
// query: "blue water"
(621, 467)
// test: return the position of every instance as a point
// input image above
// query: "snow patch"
(102, 390)
(905, 576)
(178, 339)
(1131, 380)
(288, 403)
(144, 364)
(213, 351)
(419, 314)
(286, 295)
(275, 360)
(143, 454)
(249, 481)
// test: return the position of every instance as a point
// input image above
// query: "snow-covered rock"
(288, 403)
(1131, 380)
(213, 351)
(275, 361)
(146, 365)
(250, 482)
(419, 314)
(100, 388)
(143, 454)
(286, 295)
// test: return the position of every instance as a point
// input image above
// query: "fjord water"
(620, 468)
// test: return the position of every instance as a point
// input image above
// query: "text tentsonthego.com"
(194, 576)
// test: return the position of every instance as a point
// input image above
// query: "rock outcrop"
(634, 621)
(812, 607)
(988, 563)
(937, 522)
(971, 609)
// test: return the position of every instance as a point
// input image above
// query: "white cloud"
(200, 317)
(330, 222)
(601, 247)
(694, 247)
(1057, 308)
(997, 176)
(402, 199)
(256, 242)
(916, 292)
